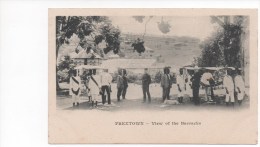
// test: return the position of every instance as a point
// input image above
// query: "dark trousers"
(212, 93)
(146, 91)
(106, 88)
(124, 92)
(166, 93)
(195, 92)
(119, 93)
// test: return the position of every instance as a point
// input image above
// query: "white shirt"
(180, 81)
(228, 83)
(94, 88)
(106, 79)
(189, 81)
(74, 85)
(205, 77)
(239, 82)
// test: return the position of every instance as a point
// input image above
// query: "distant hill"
(174, 50)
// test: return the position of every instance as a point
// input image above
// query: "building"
(84, 58)
(136, 66)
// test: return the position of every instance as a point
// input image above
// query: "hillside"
(173, 50)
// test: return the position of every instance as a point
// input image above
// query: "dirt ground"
(134, 100)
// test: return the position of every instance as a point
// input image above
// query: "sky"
(199, 27)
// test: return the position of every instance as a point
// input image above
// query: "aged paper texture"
(157, 76)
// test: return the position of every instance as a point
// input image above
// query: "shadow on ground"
(158, 105)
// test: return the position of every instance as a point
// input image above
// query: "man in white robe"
(229, 87)
(95, 87)
(75, 88)
(181, 86)
(239, 87)
(205, 80)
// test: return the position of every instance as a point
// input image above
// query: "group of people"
(166, 84)
(99, 84)
(95, 83)
(233, 84)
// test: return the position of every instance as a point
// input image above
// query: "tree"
(139, 46)
(64, 69)
(211, 54)
(163, 26)
(99, 28)
(224, 47)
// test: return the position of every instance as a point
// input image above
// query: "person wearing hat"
(239, 86)
(196, 85)
(146, 81)
(106, 80)
(75, 88)
(125, 82)
(122, 84)
(166, 83)
(188, 84)
(180, 85)
(206, 82)
(95, 87)
(229, 87)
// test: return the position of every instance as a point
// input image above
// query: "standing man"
(189, 86)
(229, 87)
(239, 87)
(95, 87)
(75, 88)
(206, 80)
(196, 85)
(166, 83)
(125, 82)
(146, 80)
(180, 85)
(106, 80)
(120, 84)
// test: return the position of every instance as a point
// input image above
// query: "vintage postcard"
(153, 76)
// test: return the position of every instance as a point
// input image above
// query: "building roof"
(129, 63)
(83, 54)
(88, 67)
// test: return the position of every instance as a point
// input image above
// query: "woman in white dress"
(75, 88)
(94, 86)
(239, 87)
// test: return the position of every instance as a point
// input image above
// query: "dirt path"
(134, 100)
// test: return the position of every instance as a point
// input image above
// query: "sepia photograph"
(155, 63)
(109, 63)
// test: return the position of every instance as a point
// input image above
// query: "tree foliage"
(139, 46)
(164, 26)
(64, 68)
(223, 48)
(139, 19)
(99, 28)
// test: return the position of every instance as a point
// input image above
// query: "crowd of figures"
(98, 84)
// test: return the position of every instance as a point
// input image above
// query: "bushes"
(134, 78)
(137, 77)
(157, 77)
